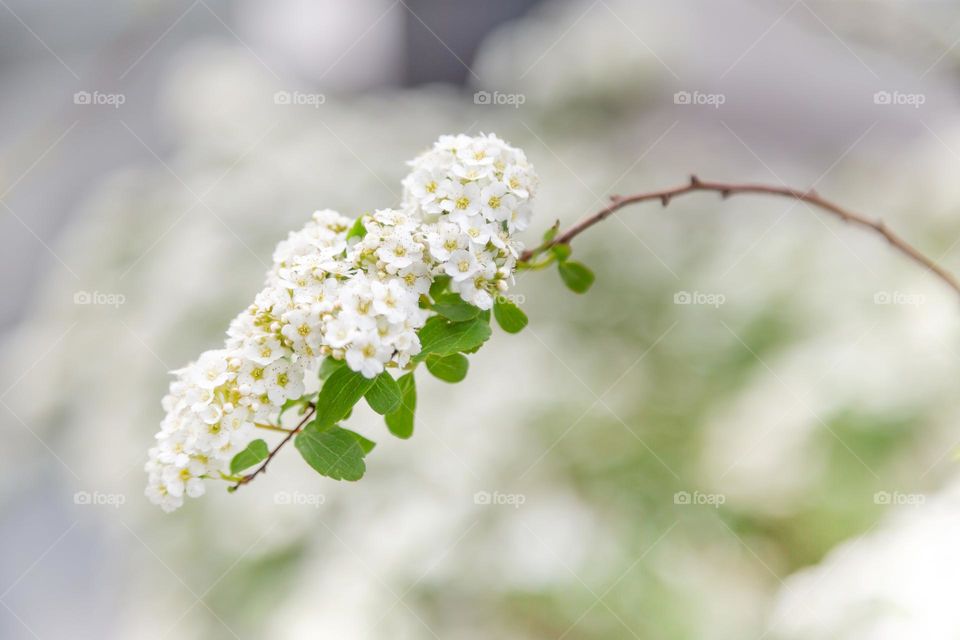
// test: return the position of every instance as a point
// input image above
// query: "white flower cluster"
(356, 300)
(473, 193)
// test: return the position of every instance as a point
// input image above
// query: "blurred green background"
(746, 429)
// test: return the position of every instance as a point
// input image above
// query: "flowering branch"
(353, 301)
(726, 190)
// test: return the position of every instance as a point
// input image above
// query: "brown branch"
(726, 190)
(263, 467)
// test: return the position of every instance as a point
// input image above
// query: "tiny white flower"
(461, 265)
(461, 200)
(444, 239)
(478, 230)
(367, 356)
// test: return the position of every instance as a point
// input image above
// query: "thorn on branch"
(725, 193)
(665, 199)
(694, 181)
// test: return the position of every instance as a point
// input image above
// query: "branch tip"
(726, 190)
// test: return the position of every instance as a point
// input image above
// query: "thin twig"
(726, 190)
(263, 467)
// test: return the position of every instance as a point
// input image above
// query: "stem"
(290, 433)
(726, 190)
(271, 427)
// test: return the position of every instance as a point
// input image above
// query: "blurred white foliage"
(343, 44)
(543, 55)
(274, 167)
(899, 580)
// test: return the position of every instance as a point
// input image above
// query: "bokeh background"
(773, 459)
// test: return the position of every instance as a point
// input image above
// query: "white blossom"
(356, 300)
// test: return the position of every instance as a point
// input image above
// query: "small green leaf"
(357, 230)
(509, 316)
(453, 307)
(255, 452)
(384, 396)
(439, 285)
(562, 251)
(551, 233)
(365, 443)
(328, 366)
(576, 276)
(443, 337)
(339, 393)
(335, 452)
(400, 421)
(451, 368)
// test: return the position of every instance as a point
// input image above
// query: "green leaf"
(551, 233)
(562, 251)
(438, 286)
(443, 337)
(255, 452)
(509, 316)
(384, 396)
(453, 307)
(328, 366)
(400, 421)
(451, 368)
(365, 443)
(339, 393)
(357, 230)
(335, 452)
(576, 276)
